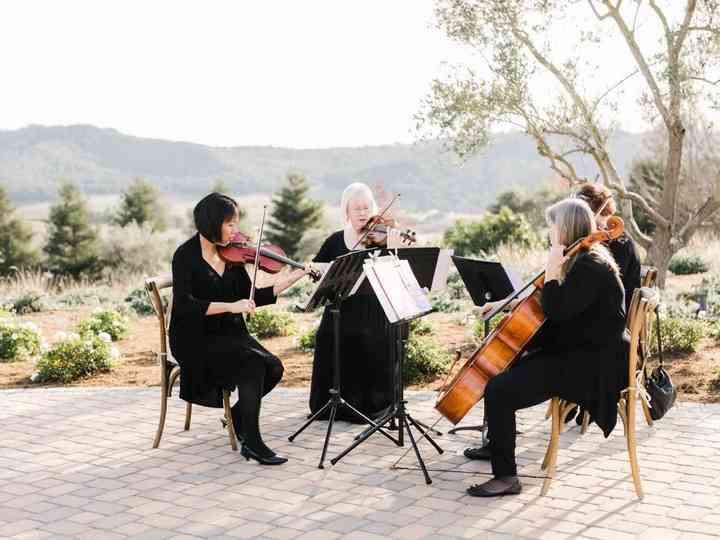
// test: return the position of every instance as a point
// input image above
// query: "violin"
(509, 338)
(270, 258)
(375, 232)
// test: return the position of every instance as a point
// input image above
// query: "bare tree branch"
(708, 81)
(703, 213)
(595, 11)
(641, 62)
(624, 193)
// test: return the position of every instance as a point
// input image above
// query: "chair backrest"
(642, 310)
(648, 276)
(153, 286)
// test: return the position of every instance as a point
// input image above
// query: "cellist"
(581, 355)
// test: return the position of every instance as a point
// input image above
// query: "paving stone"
(96, 477)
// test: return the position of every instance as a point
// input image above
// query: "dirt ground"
(697, 375)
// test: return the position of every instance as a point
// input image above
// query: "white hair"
(354, 191)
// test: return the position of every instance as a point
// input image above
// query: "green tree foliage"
(532, 205)
(15, 237)
(293, 214)
(72, 247)
(503, 227)
(140, 204)
(220, 187)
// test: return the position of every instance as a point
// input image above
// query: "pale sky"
(297, 73)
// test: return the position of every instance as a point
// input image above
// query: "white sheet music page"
(396, 287)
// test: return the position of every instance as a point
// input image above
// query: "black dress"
(365, 349)
(582, 357)
(216, 352)
(623, 250)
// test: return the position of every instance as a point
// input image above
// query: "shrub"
(442, 302)
(494, 229)
(479, 328)
(420, 327)
(18, 341)
(75, 356)
(29, 302)
(139, 302)
(678, 334)
(715, 331)
(687, 264)
(137, 250)
(710, 290)
(268, 323)
(424, 360)
(306, 341)
(109, 321)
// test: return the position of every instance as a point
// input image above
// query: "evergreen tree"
(293, 214)
(220, 187)
(15, 238)
(140, 204)
(72, 247)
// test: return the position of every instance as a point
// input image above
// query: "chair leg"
(646, 412)
(632, 447)
(230, 425)
(585, 422)
(551, 455)
(163, 413)
(188, 415)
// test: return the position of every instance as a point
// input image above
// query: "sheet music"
(442, 269)
(396, 288)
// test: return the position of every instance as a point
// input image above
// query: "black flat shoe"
(497, 487)
(482, 453)
(249, 454)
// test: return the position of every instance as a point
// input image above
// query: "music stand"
(341, 279)
(402, 300)
(486, 281)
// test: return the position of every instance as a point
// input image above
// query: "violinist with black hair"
(208, 336)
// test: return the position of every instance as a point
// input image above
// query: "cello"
(509, 338)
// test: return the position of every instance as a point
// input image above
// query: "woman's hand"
(489, 307)
(556, 257)
(242, 306)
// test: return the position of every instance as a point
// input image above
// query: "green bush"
(75, 356)
(30, 302)
(420, 327)
(678, 334)
(494, 229)
(424, 361)
(108, 321)
(269, 323)
(139, 301)
(443, 303)
(710, 290)
(306, 341)
(715, 331)
(479, 328)
(687, 264)
(18, 340)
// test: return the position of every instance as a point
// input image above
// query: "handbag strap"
(657, 331)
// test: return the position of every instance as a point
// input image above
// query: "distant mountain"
(33, 160)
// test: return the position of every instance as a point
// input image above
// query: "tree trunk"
(660, 253)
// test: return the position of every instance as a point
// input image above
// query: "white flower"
(34, 377)
(61, 336)
(114, 353)
(105, 337)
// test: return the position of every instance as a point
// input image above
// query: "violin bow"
(257, 254)
(368, 231)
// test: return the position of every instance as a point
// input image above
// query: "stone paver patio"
(78, 463)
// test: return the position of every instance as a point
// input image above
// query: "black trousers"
(534, 380)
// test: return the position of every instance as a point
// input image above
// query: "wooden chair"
(648, 279)
(642, 309)
(169, 368)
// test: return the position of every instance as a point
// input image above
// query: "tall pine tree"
(293, 214)
(140, 204)
(15, 237)
(72, 247)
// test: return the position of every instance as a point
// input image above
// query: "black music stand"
(339, 281)
(398, 330)
(486, 281)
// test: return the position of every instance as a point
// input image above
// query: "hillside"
(103, 161)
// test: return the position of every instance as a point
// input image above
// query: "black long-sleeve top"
(585, 332)
(195, 285)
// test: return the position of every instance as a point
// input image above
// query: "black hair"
(211, 212)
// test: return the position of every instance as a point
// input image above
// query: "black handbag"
(659, 385)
